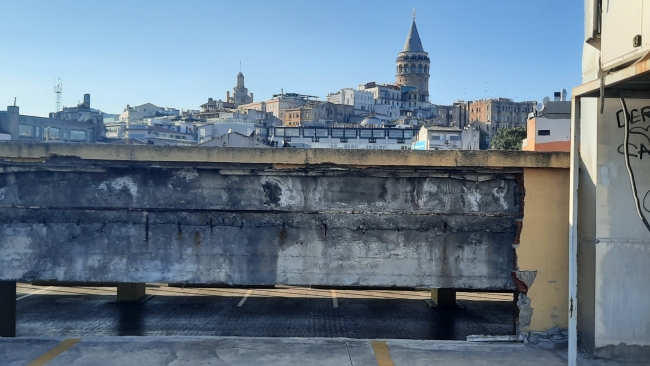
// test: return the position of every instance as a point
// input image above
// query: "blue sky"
(179, 53)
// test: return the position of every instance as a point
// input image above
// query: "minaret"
(413, 64)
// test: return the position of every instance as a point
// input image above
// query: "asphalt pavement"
(272, 312)
(80, 325)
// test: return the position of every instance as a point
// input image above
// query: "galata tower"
(413, 65)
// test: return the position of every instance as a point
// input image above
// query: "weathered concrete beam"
(287, 158)
(128, 220)
(146, 188)
(257, 248)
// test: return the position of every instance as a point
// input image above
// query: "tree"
(508, 138)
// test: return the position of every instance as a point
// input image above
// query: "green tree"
(508, 138)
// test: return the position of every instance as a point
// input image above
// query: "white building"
(362, 101)
(340, 138)
(549, 128)
(447, 138)
(134, 114)
(235, 139)
(384, 94)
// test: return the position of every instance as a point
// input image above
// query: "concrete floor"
(236, 351)
(281, 326)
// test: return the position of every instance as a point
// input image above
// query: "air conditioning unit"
(625, 31)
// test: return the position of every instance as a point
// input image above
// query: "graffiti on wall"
(638, 148)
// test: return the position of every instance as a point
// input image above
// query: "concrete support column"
(7, 308)
(131, 292)
(444, 297)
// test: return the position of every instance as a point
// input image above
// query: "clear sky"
(180, 53)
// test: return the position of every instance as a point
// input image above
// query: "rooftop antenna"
(58, 90)
(14, 101)
(239, 66)
(413, 14)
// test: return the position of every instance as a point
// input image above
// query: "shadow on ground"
(92, 315)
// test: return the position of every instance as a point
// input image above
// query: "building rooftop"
(413, 42)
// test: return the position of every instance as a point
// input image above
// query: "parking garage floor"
(263, 326)
(272, 312)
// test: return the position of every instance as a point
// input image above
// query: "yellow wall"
(544, 245)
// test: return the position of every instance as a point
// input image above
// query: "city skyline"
(136, 56)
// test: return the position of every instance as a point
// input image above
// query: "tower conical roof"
(413, 42)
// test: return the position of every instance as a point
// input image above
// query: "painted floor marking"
(57, 350)
(430, 303)
(243, 300)
(34, 293)
(335, 301)
(381, 353)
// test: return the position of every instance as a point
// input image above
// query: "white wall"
(621, 288)
(560, 130)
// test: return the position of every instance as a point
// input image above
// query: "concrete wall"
(622, 289)
(614, 244)
(441, 219)
(256, 225)
(543, 248)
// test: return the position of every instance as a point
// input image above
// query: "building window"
(25, 131)
(419, 68)
(435, 137)
(77, 135)
(337, 132)
(53, 133)
(308, 132)
(454, 138)
(412, 68)
(395, 134)
(322, 132)
(350, 132)
(544, 133)
(292, 132)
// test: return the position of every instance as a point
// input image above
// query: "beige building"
(496, 113)
(279, 104)
(325, 113)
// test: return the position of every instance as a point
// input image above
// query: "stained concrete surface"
(71, 219)
(234, 351)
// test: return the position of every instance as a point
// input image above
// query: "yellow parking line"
(381, 353)
(57, 350)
